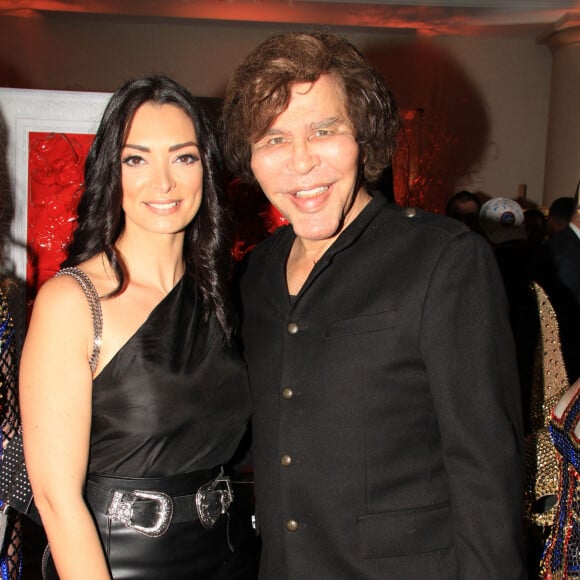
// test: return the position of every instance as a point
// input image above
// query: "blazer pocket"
(406, 532)
(360, 325)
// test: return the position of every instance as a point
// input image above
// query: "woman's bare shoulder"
(57, 292)
(62, 296)
(566, 398)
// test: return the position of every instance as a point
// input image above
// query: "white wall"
(485, 101)
(563, 153)
(514, 79)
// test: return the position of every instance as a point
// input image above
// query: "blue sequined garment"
(561, 557)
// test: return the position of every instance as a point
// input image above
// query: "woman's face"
(161, 171)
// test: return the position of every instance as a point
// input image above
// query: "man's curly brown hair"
(260, 90)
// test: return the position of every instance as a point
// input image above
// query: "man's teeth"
(311, 192)
(168, 205)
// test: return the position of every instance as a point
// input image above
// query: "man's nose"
(304, 158)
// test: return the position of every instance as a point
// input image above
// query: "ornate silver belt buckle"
(121, 509)
(213, 499)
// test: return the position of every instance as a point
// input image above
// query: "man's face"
(307, 163)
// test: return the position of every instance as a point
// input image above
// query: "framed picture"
(44, 139)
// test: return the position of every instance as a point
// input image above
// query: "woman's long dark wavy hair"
(101, 219)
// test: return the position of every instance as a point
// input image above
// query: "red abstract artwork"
(55, 178)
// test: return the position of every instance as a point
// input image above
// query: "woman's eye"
(322, 132)
(187, 158)
(133, 160)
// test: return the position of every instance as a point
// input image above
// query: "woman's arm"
(55, 398)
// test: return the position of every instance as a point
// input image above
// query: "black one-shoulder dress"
(172, 405)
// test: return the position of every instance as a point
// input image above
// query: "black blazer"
(387, 423)
(564, 249)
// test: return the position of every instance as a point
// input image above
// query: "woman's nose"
(163, 180)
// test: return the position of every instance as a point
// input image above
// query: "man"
(560, 277)
(565, 250)
(386, 403)
(503, 224)
(560, 214)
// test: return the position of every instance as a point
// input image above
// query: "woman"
(167, 402)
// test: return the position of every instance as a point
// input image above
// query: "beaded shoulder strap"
(94, 304)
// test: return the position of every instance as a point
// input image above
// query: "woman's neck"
(155, 261)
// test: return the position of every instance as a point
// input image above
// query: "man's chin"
(318, 234)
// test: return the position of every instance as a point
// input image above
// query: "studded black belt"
(150, 505)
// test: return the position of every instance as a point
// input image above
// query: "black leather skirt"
(186, 551)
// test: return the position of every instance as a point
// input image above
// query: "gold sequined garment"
(549, 384)
(561, 558)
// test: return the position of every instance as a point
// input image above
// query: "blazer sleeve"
(468, 349)
(567, 264)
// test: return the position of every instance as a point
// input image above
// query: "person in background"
(561, 557)
(464, 206)
(386, 410)
(535, 222)
(564, 249)
(541, 462)
(11, 564)
(502, 222)
(143, 414)
(12, 526)
(560, 214)
(559, 275)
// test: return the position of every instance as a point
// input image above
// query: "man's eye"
(133, 160)
(322, 132)
(275, 141)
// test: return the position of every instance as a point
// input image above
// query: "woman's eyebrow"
(171, 149)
